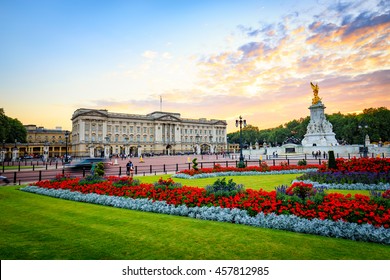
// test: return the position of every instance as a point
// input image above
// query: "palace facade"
(100, 133)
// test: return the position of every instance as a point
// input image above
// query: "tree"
(11, 130)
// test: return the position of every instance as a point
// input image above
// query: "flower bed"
(338, 229)
(355, 173)
(247, 170)
(372, 165)
(240, 173)
(359, 210)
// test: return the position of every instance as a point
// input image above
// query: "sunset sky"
(214, 59)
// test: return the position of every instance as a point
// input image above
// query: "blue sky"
(213, 59)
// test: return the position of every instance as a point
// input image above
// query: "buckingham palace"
(100, 133)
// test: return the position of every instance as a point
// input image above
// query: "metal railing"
(32, 171)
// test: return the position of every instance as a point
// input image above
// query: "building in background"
(45, 142)
(100, 133)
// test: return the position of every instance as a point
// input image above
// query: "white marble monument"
(319, 131)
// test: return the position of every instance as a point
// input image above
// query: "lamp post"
(364, 129)
(66, 146)
(241, 123)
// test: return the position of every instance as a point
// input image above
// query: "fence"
(38, 170)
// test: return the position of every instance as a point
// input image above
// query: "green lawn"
(39, 227)
(265, 182)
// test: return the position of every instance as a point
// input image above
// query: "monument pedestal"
(319, 131)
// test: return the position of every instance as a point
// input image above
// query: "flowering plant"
(262, 168)
(301, 189)
(373, 165)
(164, 184)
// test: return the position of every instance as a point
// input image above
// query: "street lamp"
(66, 146)
(240, 123)
(364, 129)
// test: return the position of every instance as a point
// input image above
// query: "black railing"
(36, 171)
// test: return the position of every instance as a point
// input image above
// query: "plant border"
(242, 173)
(327, 228)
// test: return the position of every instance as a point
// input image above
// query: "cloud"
(149, 54)
(367, 20)
(167, 55)
(345, 48)
(266, 78)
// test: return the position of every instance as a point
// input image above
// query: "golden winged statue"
(316, 98)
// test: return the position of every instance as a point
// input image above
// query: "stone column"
(107, 151)
(92, 151)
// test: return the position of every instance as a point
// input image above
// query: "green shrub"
(195, 164)
(91, 179)
(126, 182)
(99, 169)
(222, 188)
(241, 164)
(302, 162)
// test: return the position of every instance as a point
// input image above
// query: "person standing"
(130, 168)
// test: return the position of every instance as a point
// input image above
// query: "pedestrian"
(129, 168)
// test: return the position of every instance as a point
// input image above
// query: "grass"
(265, 182)
(39, 227)
(16, 167)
